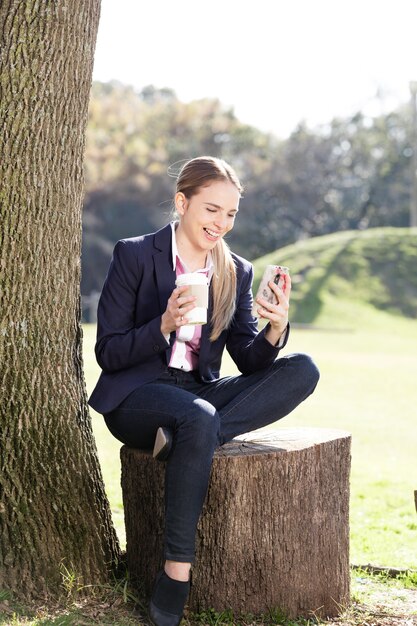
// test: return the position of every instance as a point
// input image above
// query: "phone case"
(274, 273)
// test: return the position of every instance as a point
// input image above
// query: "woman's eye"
(211, 210)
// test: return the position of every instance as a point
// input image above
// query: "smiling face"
(206, 217)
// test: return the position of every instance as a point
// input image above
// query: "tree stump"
(274, 532)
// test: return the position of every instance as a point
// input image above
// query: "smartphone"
(272, 273)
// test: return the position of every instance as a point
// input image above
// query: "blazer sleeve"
(120, 344)
(250, 349)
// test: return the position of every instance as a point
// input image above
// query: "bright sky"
(276, 62)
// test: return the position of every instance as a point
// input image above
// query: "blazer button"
(156, 348)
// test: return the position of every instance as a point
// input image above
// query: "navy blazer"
(130, 348)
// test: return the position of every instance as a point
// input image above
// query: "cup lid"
(194, 278)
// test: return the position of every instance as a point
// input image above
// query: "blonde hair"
(195, 174)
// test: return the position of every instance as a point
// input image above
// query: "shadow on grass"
(312, 302)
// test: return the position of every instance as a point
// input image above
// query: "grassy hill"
(349, 278)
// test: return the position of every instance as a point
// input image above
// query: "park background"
(316, 116)
(311, 104)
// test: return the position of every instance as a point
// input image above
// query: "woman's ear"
(180, 203)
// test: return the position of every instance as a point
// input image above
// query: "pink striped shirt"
(186, 349)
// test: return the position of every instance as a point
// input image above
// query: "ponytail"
(223, 289)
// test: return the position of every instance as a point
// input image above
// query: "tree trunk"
(274, 532)
(53, 511)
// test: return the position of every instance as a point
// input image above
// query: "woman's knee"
(201, 421)
(307, 370)
(303, 369)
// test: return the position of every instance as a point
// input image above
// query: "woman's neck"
(194, 259)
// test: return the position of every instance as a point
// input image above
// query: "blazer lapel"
(164, 274)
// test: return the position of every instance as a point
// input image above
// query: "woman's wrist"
(273, 334)
(164, 328)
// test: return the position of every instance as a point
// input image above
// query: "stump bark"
(274, 531)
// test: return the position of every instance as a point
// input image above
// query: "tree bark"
(274, 532)
(53, 511)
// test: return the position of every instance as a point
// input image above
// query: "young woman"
(160, 385)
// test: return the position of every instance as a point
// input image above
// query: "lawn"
(368, 387)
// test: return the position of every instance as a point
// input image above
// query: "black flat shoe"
(163, 444)
(170, 594)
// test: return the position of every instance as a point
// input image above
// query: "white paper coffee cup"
(197, 286)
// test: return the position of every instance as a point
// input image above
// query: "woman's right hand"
(177, 308)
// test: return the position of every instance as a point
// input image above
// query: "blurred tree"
(371, 183)
(53, 509)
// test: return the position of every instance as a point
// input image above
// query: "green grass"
(367, 387)
(108, 447)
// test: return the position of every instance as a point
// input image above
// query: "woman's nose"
(220, 222)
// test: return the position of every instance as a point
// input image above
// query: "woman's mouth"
(212, 235)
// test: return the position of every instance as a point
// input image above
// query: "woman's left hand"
(277, 314)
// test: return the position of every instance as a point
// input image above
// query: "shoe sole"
(161, 447)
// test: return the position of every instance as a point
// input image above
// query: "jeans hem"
(179, 558)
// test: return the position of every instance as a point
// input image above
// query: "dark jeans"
(203, 416)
